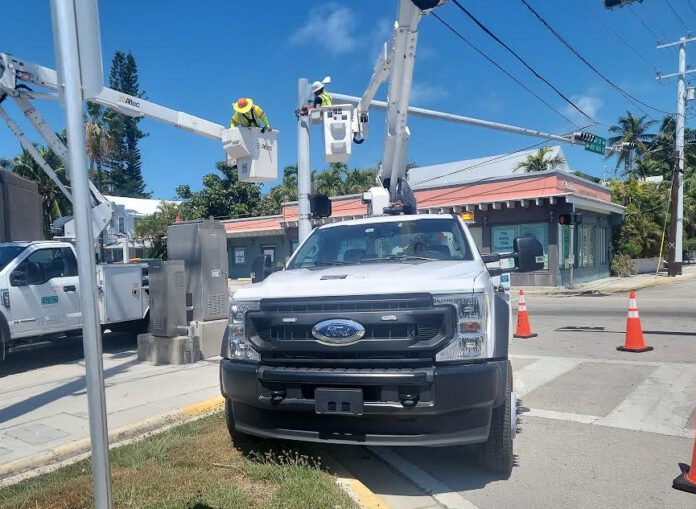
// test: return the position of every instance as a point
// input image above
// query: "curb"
(608, 289)
(363, 495)
(67, 451)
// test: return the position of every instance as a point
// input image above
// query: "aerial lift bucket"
(253, 152)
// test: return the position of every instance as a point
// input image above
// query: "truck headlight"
(238, 346)
(469, 341)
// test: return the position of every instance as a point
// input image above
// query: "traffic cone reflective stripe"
(687, 480)
(523, 331)
(634, 331)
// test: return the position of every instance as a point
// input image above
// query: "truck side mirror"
(18, 277)
(529, 255)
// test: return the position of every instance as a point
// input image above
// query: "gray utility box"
(167, 298)
(203, 247)
(21, 213)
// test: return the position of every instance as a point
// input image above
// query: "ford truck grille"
(404, 328)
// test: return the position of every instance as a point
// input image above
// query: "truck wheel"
(496, 453)
(240, 439)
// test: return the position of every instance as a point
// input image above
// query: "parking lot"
(597, 427)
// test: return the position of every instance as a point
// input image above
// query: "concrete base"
(209, 336)
(161, 350)
(207, 340)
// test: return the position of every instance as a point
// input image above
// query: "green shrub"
(622, 265)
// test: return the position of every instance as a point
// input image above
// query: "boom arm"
(255, 157)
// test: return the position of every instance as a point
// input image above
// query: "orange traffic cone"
(687, 480)
(634, 332)
(523, 331)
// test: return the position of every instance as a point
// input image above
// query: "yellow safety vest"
(250, 118)
(325, 98)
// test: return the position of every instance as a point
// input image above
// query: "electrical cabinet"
(167, 297)
(202, 245)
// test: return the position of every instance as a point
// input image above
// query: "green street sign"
(598, 146)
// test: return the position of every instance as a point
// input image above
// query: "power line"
(520, 59)
(676, 15)
(493, 159)
(645, 25)
(637, 53)
(691, 6)
(632, 99)
(484, 55)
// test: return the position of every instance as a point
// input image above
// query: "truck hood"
(442, 276)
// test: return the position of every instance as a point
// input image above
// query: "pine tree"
(125, 164)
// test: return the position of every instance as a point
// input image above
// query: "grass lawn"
(193, 466)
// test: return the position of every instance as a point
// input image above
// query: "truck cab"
(40, 293)
(383, 331)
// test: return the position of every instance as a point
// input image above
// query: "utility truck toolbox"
(383, 331)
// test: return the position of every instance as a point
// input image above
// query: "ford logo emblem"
(338, 331)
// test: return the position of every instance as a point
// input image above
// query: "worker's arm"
(262, 116)
(235, 121)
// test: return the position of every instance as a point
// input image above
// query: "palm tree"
(632, 137)
(99, 140)
(55, 203)
(540, 162)
(330, 182)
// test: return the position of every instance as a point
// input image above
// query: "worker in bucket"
(248, 114)
(321, 96)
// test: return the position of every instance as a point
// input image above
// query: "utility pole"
(677, 222)
(304, 171)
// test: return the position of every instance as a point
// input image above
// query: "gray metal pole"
(572, 254)
(304, 170)
(459, 119)
(681, 108)
(71, 94)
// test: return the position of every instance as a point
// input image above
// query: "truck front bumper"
(446, 405)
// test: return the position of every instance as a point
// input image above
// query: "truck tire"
(496, 453)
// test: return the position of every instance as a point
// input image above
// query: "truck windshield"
(9, 253)
(405, 241)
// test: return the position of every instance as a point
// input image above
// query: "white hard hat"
(316, 86)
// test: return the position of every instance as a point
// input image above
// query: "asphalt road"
(599, 428)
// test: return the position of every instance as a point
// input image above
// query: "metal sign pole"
(70, 89)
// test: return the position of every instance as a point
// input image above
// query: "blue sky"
(199, 57)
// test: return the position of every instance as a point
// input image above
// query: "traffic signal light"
(610, 4)
(574, 218)
(586, 137)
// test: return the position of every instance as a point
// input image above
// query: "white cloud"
(424, 93)
(587, 103)
(331, 27)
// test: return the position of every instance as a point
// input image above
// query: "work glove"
(265, 129)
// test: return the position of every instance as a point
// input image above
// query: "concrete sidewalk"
(612, 284)
(45, 408)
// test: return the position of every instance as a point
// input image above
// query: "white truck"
(385, 331)
(40, 294)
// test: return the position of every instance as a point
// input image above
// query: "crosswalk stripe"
(662, 403)
(541, 372)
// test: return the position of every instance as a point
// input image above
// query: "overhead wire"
(501, 157)
(508, 74)
(631, 98)
(676, 15)
(616, 34)
(691, 6)
(520, 59)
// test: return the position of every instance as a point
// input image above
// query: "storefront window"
(586, 246)
(503, 237)
(601, 246)
(477, 234)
